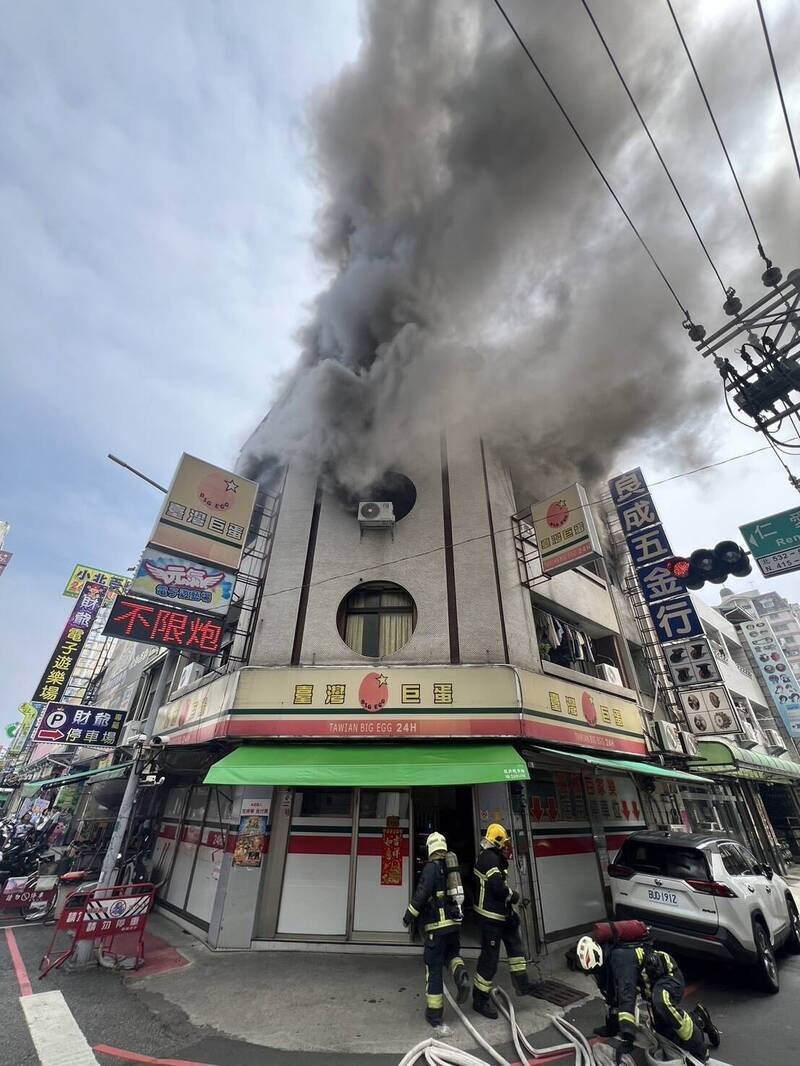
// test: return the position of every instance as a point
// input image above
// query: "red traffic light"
(679, 567)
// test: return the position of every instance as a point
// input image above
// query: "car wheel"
(767, 967)
(793, 941)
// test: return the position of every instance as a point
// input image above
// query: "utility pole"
(85, 948)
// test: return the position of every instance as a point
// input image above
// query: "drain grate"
(557, 992)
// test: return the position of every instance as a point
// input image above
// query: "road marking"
(55, 1033)
(19, 966)
(134, 1056)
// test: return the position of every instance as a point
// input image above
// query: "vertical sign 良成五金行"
(62, 662)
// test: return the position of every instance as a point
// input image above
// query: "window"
(734, 861)
(376, 619)
(664, 859)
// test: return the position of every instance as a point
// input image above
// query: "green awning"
(109, 771)
(629, 766)
(722, 757)
(368, 765)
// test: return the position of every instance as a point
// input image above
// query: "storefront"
(735, 804)
(312, 826)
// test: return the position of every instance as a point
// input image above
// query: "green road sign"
(776, 535)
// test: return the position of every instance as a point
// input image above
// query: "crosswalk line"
(55, 1033)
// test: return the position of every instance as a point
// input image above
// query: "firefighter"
(439, 913)
(623, 970)
(494, 908)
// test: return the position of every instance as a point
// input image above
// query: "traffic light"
(726, 560)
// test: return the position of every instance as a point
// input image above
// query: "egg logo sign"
(373, 692)
(589, 709)
(557, 514)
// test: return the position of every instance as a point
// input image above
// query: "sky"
(159, 202)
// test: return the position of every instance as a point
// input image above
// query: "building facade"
(397, 679)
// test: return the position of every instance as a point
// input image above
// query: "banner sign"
(775, 542)
(206, 513)
(65, 723)
(776, 672)
(81, 574)
(251, 841)
(176, 579)
(392, 855)
(29, 712)
(674, 617)
(5, 558)
(691, 662)
(168, 627)
(709, 710)
(565, 531)
(62, 661)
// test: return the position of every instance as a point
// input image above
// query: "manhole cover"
(557, 992)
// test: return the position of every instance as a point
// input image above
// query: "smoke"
(479, 272)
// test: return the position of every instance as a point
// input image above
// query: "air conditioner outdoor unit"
(609, 673)
(376, 514)
(749, 736)
(774, 740)
(689, 742)
(189, 674)
(669, 737)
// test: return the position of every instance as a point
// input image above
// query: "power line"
(713, 119)
(778, 85)
(656, 149)
(586, 149)
(505, 529)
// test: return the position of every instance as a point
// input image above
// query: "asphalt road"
(758, 1029)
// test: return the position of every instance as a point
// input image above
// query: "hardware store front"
(735, 804)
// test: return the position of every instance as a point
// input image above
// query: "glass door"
(314, 898)
(381, 864)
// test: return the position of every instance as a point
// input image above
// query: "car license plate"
(659, 895)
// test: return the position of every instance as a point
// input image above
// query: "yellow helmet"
(498, 836)
(436, 843)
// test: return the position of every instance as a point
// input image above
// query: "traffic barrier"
(101, 914)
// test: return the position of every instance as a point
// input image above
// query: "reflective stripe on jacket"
(429, 901)
(491, 871)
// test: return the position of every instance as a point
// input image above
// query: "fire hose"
(435, 1052)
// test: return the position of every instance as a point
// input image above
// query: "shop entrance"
(449, 810)
(343, 863)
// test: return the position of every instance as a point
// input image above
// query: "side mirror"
(768, 871)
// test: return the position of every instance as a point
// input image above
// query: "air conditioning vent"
(669, 737)
(189, 674)
(774, 742)
(376, 514)
(689, 742)
(749, 736)
(609, 673)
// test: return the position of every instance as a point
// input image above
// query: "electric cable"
(656, 149)
(778, 85)
(714, 122)
(503, 529)
(588, 152)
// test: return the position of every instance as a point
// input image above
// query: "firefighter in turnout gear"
(623, 971)
(494, 909)
(436, 907)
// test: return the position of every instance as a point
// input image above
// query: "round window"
(376, 619)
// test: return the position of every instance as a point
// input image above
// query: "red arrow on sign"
(626, 810)
(50, 734)
(635, 809)
(536, 808)
(552, 809)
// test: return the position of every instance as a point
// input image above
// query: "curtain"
(354, 632)
(395, 632)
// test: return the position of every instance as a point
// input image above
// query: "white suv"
(706, 894)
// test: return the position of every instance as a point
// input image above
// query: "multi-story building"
(399, 674)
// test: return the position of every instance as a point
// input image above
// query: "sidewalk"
(323, 1002)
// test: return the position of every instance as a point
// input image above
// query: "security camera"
(156, 741)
